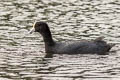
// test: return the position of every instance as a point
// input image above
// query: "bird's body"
(78, 47)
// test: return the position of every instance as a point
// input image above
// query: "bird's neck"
(47, 37)
(49, 42)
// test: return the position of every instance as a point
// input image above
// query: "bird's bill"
(33, 28)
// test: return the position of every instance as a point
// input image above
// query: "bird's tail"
(110, 45)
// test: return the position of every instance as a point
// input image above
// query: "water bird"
(96, 46)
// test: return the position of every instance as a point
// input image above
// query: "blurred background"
(22, 54)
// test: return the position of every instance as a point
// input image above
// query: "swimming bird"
(97, 46)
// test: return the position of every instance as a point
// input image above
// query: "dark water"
(22, 54)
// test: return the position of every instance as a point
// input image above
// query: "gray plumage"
(97, 46)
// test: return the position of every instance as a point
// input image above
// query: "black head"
(40, 27)
(44, 30)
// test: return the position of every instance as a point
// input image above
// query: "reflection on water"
(22, 55)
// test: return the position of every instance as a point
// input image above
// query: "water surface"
(22, 54)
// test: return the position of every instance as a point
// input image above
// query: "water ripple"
(22, 55)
